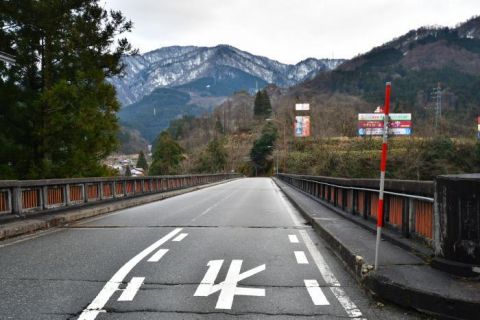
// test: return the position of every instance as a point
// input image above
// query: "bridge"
(223, 246)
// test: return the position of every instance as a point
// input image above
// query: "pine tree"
(58, 114)
(267, 106)
(142, 162)
(258, 104)
(167, 155)
(262, 106)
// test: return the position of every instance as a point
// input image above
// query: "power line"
(5, 57)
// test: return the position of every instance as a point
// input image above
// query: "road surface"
(237, 250)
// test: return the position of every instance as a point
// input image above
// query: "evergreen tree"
(263, 148)
(58, 111)
(167, 155)
(258, 106)
(214, 158)
(142, 162)
(262, 106)
(267, 106)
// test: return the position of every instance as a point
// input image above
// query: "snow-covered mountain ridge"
(176, 66)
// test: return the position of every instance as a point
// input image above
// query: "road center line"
(95, 307)
(301, 257)
(316, 293)
(180, 237)
(131, 290)
(293, 238)
(212, 207)
(157, 255)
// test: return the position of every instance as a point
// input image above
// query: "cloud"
(286, 30)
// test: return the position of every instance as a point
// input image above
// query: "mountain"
(415, 63)
(217, 71)
(171, 82)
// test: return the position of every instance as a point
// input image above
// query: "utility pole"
(437, 95)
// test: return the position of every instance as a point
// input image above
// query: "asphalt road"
(235, 250)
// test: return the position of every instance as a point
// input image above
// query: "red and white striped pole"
(383, 167)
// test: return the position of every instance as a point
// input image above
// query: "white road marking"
(293, 238)
(228, 288)
(347, 304)
(180, 237)
(342, 297)
(157, 255)
(131, 290)
(316, 293)
(212, 207)
(301, 257)
(95, 307)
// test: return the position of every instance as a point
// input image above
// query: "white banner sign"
(379, 116)
(302, 106)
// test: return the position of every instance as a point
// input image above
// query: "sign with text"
(302, 126)
(379, 124)
(379, 131)
(379, 116)
(371, 124)
(302, 106)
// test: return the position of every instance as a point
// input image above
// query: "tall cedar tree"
(263, 147)
(142, 162)
(167, 155)
(262, 106)
(57, 114)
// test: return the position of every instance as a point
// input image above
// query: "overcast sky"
(285, 30)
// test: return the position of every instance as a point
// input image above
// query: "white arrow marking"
(95, 307)
(228, 288)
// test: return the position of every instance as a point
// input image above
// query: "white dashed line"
(316, 293)
(131, 290)
(347, 304)
(180, 237)
(293, 238)
(96, 306)
(342, 297)
(301, 257)
(157, 255)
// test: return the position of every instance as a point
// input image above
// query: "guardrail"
(408, 204)
(27, 197)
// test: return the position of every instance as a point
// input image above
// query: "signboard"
(302, 106)
(379, 116)
(302, 126)
(379, 124)
(371, 124)
(379, 131)
(478, 127)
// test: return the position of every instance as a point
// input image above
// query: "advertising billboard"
(478, 127)
(379, 116)
(371, 124)
(302, 126)
(302, 106)
(379, 131)
(379, 124)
